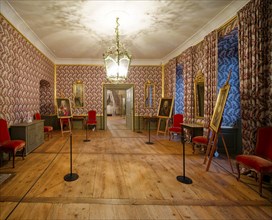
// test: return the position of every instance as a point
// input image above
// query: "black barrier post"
(183, 179)
(149, 142)
(86, 140)
(71, 176)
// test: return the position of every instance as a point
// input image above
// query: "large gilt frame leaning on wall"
(199, 88)
(149, 92)
(78, 94)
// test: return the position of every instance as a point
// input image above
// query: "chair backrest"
(264, 142)
(37, 116)
(177, 119)
(92, 115)
(4, 132)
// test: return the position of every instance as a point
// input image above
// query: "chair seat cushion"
(258, 163)
(48, 128)
(12, 144)
(91, 122)
(200, 140)
(175, 129)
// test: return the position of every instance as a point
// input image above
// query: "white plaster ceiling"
(85, 29)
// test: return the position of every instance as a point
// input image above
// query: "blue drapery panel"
(179, 96)
(228, 59)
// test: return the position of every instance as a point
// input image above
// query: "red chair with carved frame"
(261, 162)
(176, 126)
(91, 119)
(47, 129)
(7, 145)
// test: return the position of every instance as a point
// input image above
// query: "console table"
(82, 118)
(32, 133)
(195, 129)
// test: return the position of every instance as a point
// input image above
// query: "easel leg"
(212, 152)
(209, 147)
(226, 149)
(159, 125)
(61, 127)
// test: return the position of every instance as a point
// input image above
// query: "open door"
(129, 103)
(129, 109)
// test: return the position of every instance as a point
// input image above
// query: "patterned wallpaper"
(22, 68)
(170, 78)
(93, 78)
(228, 59)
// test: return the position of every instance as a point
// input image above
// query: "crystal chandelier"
(117, 59)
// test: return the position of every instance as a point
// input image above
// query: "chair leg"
(13, 161)
(260, 183)
(238, 171)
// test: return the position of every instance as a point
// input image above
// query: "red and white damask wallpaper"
(22, 67)
(93, 78)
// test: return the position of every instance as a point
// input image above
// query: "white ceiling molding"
(13, 17)
(100, 62)
(229, 12)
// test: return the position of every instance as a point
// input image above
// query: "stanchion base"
(184, 179)
(70, 177)
(148, 142)
(87, 140)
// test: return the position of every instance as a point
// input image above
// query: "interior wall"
(93, 78)
(22, 69)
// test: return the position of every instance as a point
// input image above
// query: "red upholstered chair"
(91, 118)
(47, 129)
(261, 162)
(201, 141)
(7, 145)
(176, 126)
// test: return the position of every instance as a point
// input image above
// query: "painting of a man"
(165, 108)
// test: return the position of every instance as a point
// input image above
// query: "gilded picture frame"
(78, 94)
(165, 107)
(219, 107)
(63, 108)
(149, 94)
(199, 89)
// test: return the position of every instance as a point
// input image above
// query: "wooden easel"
(61, 125)
(215, 124)
(212, 147)
(166, 126)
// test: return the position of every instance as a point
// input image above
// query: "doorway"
(118, 106)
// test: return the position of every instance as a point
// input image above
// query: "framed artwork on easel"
(64, 113)
(219, 107)
(215, 124)
(165, 108)
(164, 113)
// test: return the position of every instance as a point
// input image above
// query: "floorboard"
(121, 177)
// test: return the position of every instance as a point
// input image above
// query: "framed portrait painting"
(219, 107)
(63, 108)
(165, 107)
(78, 94)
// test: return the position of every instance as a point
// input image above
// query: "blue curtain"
(179, 96)
(228, 59)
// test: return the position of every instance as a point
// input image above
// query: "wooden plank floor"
(121, 177)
